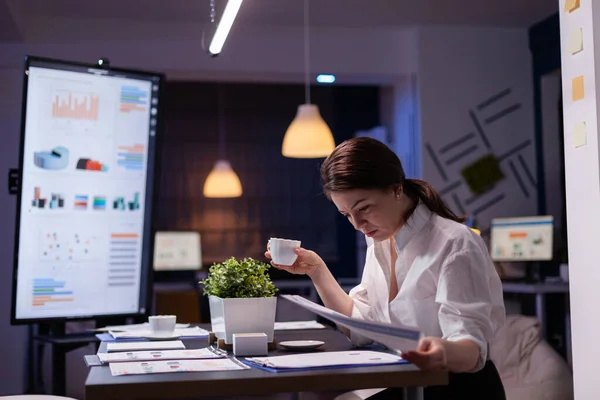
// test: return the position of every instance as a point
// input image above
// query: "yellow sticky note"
(577, 85)
(571, 5)
(576, 41)
(579, 134)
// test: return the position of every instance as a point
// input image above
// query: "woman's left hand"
(429, 356)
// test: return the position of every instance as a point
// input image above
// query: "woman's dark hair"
(365, 163)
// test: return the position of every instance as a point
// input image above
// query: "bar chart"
(123, 262)
(133, 99)
(131, 158)
(73, 105)
(49, 291)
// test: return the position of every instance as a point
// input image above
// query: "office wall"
(582, 172)
(12, 345)
(475, 93)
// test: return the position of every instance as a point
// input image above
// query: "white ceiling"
(19, 17)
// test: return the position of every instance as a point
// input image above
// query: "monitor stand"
(533, 272)
(61, 343)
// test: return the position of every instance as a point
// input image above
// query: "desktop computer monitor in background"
(87, 174)
(522, 238)
(177, 251)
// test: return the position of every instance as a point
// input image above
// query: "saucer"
(171, 336)
(301, 344)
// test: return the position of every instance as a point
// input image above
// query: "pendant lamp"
(222, 182)
(308, 136)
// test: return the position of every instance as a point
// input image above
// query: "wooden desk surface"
(101, 384)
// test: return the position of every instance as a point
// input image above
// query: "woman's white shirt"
(447, 284)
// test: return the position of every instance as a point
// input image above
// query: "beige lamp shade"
(222, 182)
(308, 136)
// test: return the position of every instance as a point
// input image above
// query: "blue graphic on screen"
(57, 158)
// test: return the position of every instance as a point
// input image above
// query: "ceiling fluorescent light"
(326, 78)
(225, 24)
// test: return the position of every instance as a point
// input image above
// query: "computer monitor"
(522, 238)
(87, 168)
(177, 251)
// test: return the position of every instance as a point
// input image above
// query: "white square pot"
(247, 315)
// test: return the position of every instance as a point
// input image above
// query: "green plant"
(237, 279)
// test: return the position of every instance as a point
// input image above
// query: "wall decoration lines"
(480, 166)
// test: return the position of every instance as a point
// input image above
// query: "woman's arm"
(332, 294)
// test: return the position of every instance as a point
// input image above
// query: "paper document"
(297, 325)
(207, 352)
(158, 345)
(157, 367)
(327, 359)
(132, 327)
(147, 332)
(396, 337)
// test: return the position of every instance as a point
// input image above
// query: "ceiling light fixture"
(222, 182)
(224, 26)
(308, 136)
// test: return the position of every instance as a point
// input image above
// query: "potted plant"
(241, 298)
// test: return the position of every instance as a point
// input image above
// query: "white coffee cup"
(162, 325)
(282, 250)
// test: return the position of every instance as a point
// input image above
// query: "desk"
(101, 385)
(540, 290)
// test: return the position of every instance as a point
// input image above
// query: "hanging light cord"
(221, 124)
(306, 54)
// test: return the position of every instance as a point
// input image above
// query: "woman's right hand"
(307, 263)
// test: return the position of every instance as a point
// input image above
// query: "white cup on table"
(162, 325)
(282, 250)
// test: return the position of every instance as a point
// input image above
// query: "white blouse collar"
(415, 223)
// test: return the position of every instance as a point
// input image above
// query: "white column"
(582, 185)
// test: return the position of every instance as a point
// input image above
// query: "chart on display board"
(87, 169)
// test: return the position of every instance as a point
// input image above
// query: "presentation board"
(84, 237)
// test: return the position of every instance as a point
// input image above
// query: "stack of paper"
(327, 359)
(208, 352)
(132, 327)
(131, 346)
(297, 325)
(396, 337)
(147, 332)
(156, 367)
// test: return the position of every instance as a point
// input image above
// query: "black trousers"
(481, 385)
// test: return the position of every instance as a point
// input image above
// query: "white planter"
(248, 315)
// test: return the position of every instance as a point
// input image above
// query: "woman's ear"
(398, 191)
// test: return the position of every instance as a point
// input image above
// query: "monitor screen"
(84, 238)
(522, 239)
(177, 251)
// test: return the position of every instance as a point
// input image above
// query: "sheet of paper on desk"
(207, 352)
(158, 345)
(181, 332)
(396, 337)
(297, 325)
(327, 359)
(132, 327)
(157, 367)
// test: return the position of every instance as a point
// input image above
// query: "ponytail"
(417, 189)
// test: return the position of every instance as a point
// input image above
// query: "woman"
(423, 268)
